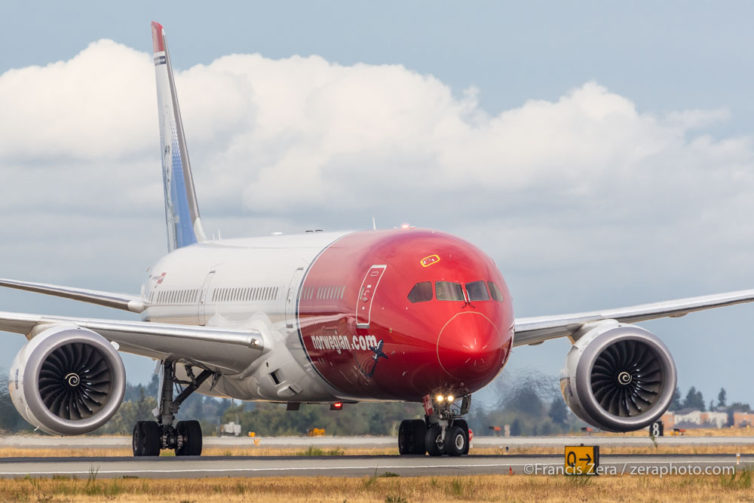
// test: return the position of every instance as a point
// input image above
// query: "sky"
(600, 152)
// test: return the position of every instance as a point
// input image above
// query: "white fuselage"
(245, 284)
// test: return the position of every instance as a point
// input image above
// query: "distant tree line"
(530, 404)
(353, 419)
(140, 401)
(10, 420)
(695, 401)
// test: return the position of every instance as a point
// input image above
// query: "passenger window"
(449, 291)
(421, 292)
(495, 291)
(477, 291)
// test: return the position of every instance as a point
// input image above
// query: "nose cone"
(471, 348)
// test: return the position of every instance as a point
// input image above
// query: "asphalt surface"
(360, 466)
(50, 442)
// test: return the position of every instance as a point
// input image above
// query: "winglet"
(181, 208)
(157, 37)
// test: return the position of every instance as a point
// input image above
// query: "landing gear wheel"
(432, 440)
(456, 441)
(146, 439)
(411, 437)
(419, 432)
(191, 432)
(186, 436)
(461, 423)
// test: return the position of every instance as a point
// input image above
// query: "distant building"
(668, 421)
(690, 418)
(231, 428)
(743, 419)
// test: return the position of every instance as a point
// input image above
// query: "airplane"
(322, 317)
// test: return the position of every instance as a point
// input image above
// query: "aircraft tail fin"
(181, 208)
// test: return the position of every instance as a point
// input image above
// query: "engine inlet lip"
(590, 404)
(50, 340)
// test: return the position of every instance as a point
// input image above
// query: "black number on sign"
(656, 429)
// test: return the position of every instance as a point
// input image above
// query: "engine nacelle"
(67, 380)
(618, 377)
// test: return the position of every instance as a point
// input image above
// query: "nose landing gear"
(441, 432)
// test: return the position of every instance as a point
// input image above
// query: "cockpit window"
(449, 291)
(495, 291)
(477, 291)
(421, 292)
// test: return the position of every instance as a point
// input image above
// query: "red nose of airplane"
(470, 347)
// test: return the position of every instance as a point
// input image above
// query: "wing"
(539, 329)
(225, 350)
(116, 300)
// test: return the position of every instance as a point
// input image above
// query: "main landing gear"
(186, 436)
(442, 431)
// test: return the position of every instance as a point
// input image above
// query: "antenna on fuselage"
(374, 224)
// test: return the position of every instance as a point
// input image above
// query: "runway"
(50, 442)
(361, 466)
(358, 466)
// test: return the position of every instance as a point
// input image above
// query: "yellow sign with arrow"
(582, 459)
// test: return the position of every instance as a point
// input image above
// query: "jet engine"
(618, 377)
(67, 380)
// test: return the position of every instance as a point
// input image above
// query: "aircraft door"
(204, 297)
(291, 298)
(366, 295)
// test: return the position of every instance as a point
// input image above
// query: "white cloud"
(362, 137)
(97, 105)
(586, 198)
(285, 138)
(292, 135)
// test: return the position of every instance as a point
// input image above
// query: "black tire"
(463, 424)
(136, 439)
(419, 428)
(431, 441)
(191, 432)
(404, 441)
(146, 439)
(411, 437)
(456, 441)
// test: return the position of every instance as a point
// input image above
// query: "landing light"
(440, 398)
